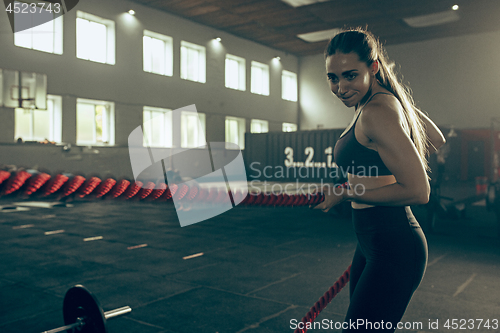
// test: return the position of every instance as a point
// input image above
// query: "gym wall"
(130, 88)
(455, 80)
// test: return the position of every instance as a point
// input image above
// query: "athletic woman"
(384, 152)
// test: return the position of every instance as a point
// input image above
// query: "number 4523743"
(464, 324)
(32, 8)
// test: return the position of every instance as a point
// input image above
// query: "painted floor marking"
(89, 239)
(193, 256)
(54, 232)
(463, 286)
(24, 226)
(136, 246)
(42, 204)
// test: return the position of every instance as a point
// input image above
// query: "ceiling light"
(455, 7)
(218, 39)
(317, 36)
(432, 19)
(277, 58)
(298, 3)
(131, 12)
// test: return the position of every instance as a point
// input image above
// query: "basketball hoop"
(22, 96)
(24, 90)
(30, 109)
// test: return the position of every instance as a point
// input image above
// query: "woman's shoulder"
(382, 105)
(382, 113)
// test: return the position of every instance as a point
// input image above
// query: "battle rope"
(34, 182)
(324, 301)
(27, 183)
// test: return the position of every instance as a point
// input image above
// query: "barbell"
(83, 313)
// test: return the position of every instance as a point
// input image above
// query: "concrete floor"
(261, 268)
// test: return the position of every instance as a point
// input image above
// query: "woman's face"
(350, 79)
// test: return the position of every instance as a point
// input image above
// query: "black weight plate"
(79, 302)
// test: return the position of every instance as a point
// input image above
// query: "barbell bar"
(83, 313)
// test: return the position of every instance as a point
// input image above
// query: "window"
(260, 78)
(95, 38)
(288, 127)
(192, 129)
(235, 72)
(259, 126)
(235, 131)
(158, 53)
(157, 127)
(38, 125)
(289, 86)
(95, 122)
(46, 37)
(193, 63)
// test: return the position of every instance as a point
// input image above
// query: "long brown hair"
(369, 50)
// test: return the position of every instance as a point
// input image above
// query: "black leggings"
(387, 267)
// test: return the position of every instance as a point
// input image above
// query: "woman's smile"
(350, 79)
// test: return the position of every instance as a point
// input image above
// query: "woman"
(384, 151)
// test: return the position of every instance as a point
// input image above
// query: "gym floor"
(251, 269)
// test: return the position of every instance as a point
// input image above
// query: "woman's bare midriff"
(368, 183)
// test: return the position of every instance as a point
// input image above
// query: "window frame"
(169, 52)
(202, 62)
(108, 122)
(57, 33)
(241, 72)
(264, 84)
(260, 122)
(285, 75)
(202, 126)
(284, 125)
(167, 122)
(241, 132)
(55, 121)
(110, 37)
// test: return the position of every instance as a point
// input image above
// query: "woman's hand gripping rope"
(333, 195)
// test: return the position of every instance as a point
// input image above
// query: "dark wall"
(467, 154)
(303, 156)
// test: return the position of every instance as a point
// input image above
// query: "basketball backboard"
(23, 90)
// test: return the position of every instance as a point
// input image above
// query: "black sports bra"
(354, 158)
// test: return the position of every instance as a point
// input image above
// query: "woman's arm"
(381, 123)
(434, 134)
